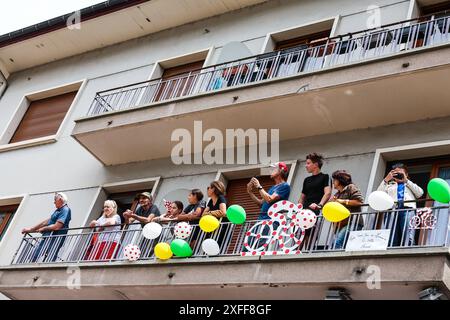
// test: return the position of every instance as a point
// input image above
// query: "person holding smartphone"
(404, 192)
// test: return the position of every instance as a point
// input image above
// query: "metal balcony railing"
(409, 229)
(339, 50)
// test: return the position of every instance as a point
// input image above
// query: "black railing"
(409, 228)
(339, 50)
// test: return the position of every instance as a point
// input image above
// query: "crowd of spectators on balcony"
(316, 192)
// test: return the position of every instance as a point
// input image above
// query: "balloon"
(162, 251)
(209, 223)
(335, 212)
(132, 252)
(182, 230)
(380, 201)
(305, 219)
(181, 248)
(236, 214)
(210, 247)
(439, 190)
(151, 230)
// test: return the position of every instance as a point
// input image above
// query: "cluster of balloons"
(179, 247)
(438, 189)
(235, 214)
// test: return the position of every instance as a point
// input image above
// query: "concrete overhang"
(398, 89)
(393, 274)
(111, 24)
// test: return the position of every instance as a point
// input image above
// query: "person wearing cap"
(53, 230)
(280, 191)
(145, 212)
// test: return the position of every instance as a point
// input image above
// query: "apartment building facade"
(90, 109)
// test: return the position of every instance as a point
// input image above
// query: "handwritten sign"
(368, 240)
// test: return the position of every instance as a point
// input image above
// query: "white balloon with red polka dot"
(132, 252)
(182, 230)
(305, 219)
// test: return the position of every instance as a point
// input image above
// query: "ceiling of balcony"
(133, 22)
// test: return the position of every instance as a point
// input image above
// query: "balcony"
(312, 88)
(248, 264)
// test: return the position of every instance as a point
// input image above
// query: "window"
(177, 88)
(126, 200)
(237, 194)
(305, 41)
(438, 10)
(6, 214)
(296, 50)
(43, 117)
(421, 171)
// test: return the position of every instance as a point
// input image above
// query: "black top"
(313, 188)
(220, 199)
(192, 207)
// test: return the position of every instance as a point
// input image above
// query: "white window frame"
(122, 186)
(22, 108)
(12, 200)
(383, 155)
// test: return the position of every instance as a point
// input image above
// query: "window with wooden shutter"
(318, 38)
(177, 88)
(237, 194)
(6, 214)
(43, 117)
(440, 9)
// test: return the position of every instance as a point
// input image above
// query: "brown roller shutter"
(43, 117)
(436, 8)
(6, 214)
(237, 194)
(304, 40)
(175, 72)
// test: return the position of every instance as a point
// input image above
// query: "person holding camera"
(405, 193)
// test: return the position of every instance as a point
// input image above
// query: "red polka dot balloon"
(305, 219)
(182, 230)
(132, 252)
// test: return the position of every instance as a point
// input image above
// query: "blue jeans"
(341, 236)
(401, 235)
(48, 247)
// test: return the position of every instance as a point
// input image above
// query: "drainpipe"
(3, 84)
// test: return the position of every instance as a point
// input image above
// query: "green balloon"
(236, 214)
(439, 190)
(180, 248)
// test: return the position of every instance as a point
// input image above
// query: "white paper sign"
(368, 240)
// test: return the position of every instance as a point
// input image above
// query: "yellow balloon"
(162, 251)
(335, 212)
(209, 223)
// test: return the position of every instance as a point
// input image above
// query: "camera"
(399, 176)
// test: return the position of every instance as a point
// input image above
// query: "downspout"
(3, 84)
